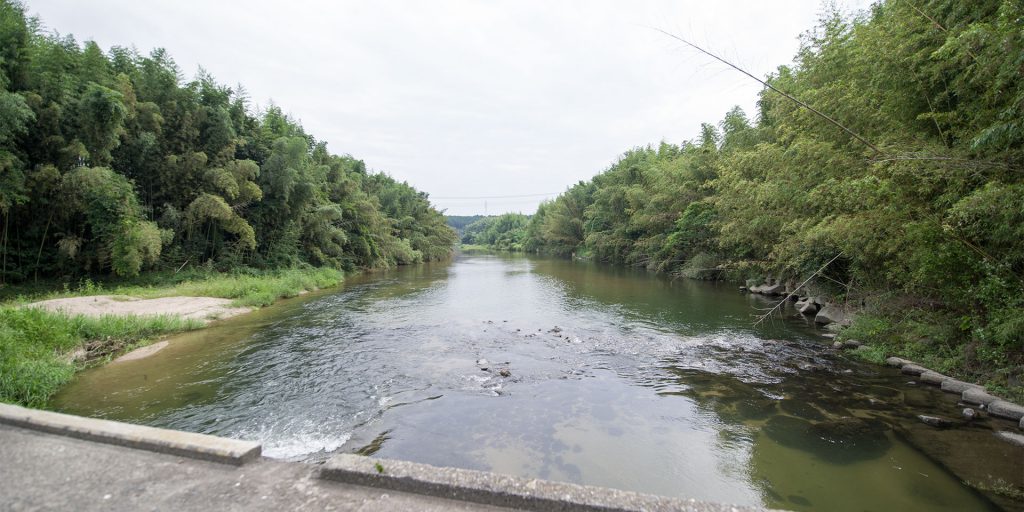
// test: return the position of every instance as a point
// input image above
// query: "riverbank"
(881, 330)
(43, 343)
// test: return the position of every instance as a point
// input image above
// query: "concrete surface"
(502, 490)
(188, 444)
(53, 461)
(41, 471)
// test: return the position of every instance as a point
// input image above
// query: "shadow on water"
(561, 370)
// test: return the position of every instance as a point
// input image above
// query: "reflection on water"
(553, 369)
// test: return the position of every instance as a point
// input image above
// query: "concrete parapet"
(502, 490)
(185, 444)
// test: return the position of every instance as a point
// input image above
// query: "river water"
(553, 369)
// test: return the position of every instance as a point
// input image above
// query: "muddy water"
(559, 370)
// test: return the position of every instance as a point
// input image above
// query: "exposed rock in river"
(912, 369)
(977, 396)
(833, 315)
(1004, 409)
(958, 386)
(933, 378)
(935, 421)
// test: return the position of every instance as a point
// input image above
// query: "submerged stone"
(935, 421)
(802, 409)
(842, 441)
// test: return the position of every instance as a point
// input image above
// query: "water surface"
(553, 369)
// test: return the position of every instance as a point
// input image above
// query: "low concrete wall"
(502, 490)
(185, 444)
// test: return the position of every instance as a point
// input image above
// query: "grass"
(256, 289)
(247, 287)
(928, 339)
(37, 346)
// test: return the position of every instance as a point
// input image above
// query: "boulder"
(837, 345)
(977, 396)
(896, 362)
(957, 386)
(808, 308)
(935, 421)
(913, 369)
(969, 414)
(933, 378)
(769, 289)
(832, 314)
(851, 344)
(1016, 439)
(1004, 409)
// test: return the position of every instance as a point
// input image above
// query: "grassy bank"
(40, 351)
(247, 287)
(252, 288)
(38, 348)
(932, 338)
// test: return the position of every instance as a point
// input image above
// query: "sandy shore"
(199, 308)
(206, 309)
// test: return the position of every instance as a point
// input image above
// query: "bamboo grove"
(928, 217)
(112, 164)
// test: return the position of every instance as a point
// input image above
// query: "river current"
(552, 369)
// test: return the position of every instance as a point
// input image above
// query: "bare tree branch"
(767, 315)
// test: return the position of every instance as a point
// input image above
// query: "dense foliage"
(505, 232)
(930, 227)
(111, 163)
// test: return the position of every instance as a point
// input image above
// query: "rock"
(933, 378)
(851, 344)
(896, 362)
(1021, 424)
(770, 289)
(977, 396)
(957, 386)
(837, 345)
(808, 308)
(752, 283)
(832, 314)
(969, 414)
(744, 289)
(1016, 439)
(913, 369)
(845, 440)
(935, 421)
(505, 373)
(1004, 409)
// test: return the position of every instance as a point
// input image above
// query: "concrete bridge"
(52, 461)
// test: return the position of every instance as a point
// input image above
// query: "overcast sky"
(469, 99)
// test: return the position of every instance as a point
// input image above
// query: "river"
(553, 369)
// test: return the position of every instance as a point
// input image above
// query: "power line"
(497, 197)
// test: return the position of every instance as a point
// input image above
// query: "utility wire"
(497, 197)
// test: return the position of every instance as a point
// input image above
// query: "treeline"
(112, 163)
(506, 232)
(928, 229)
